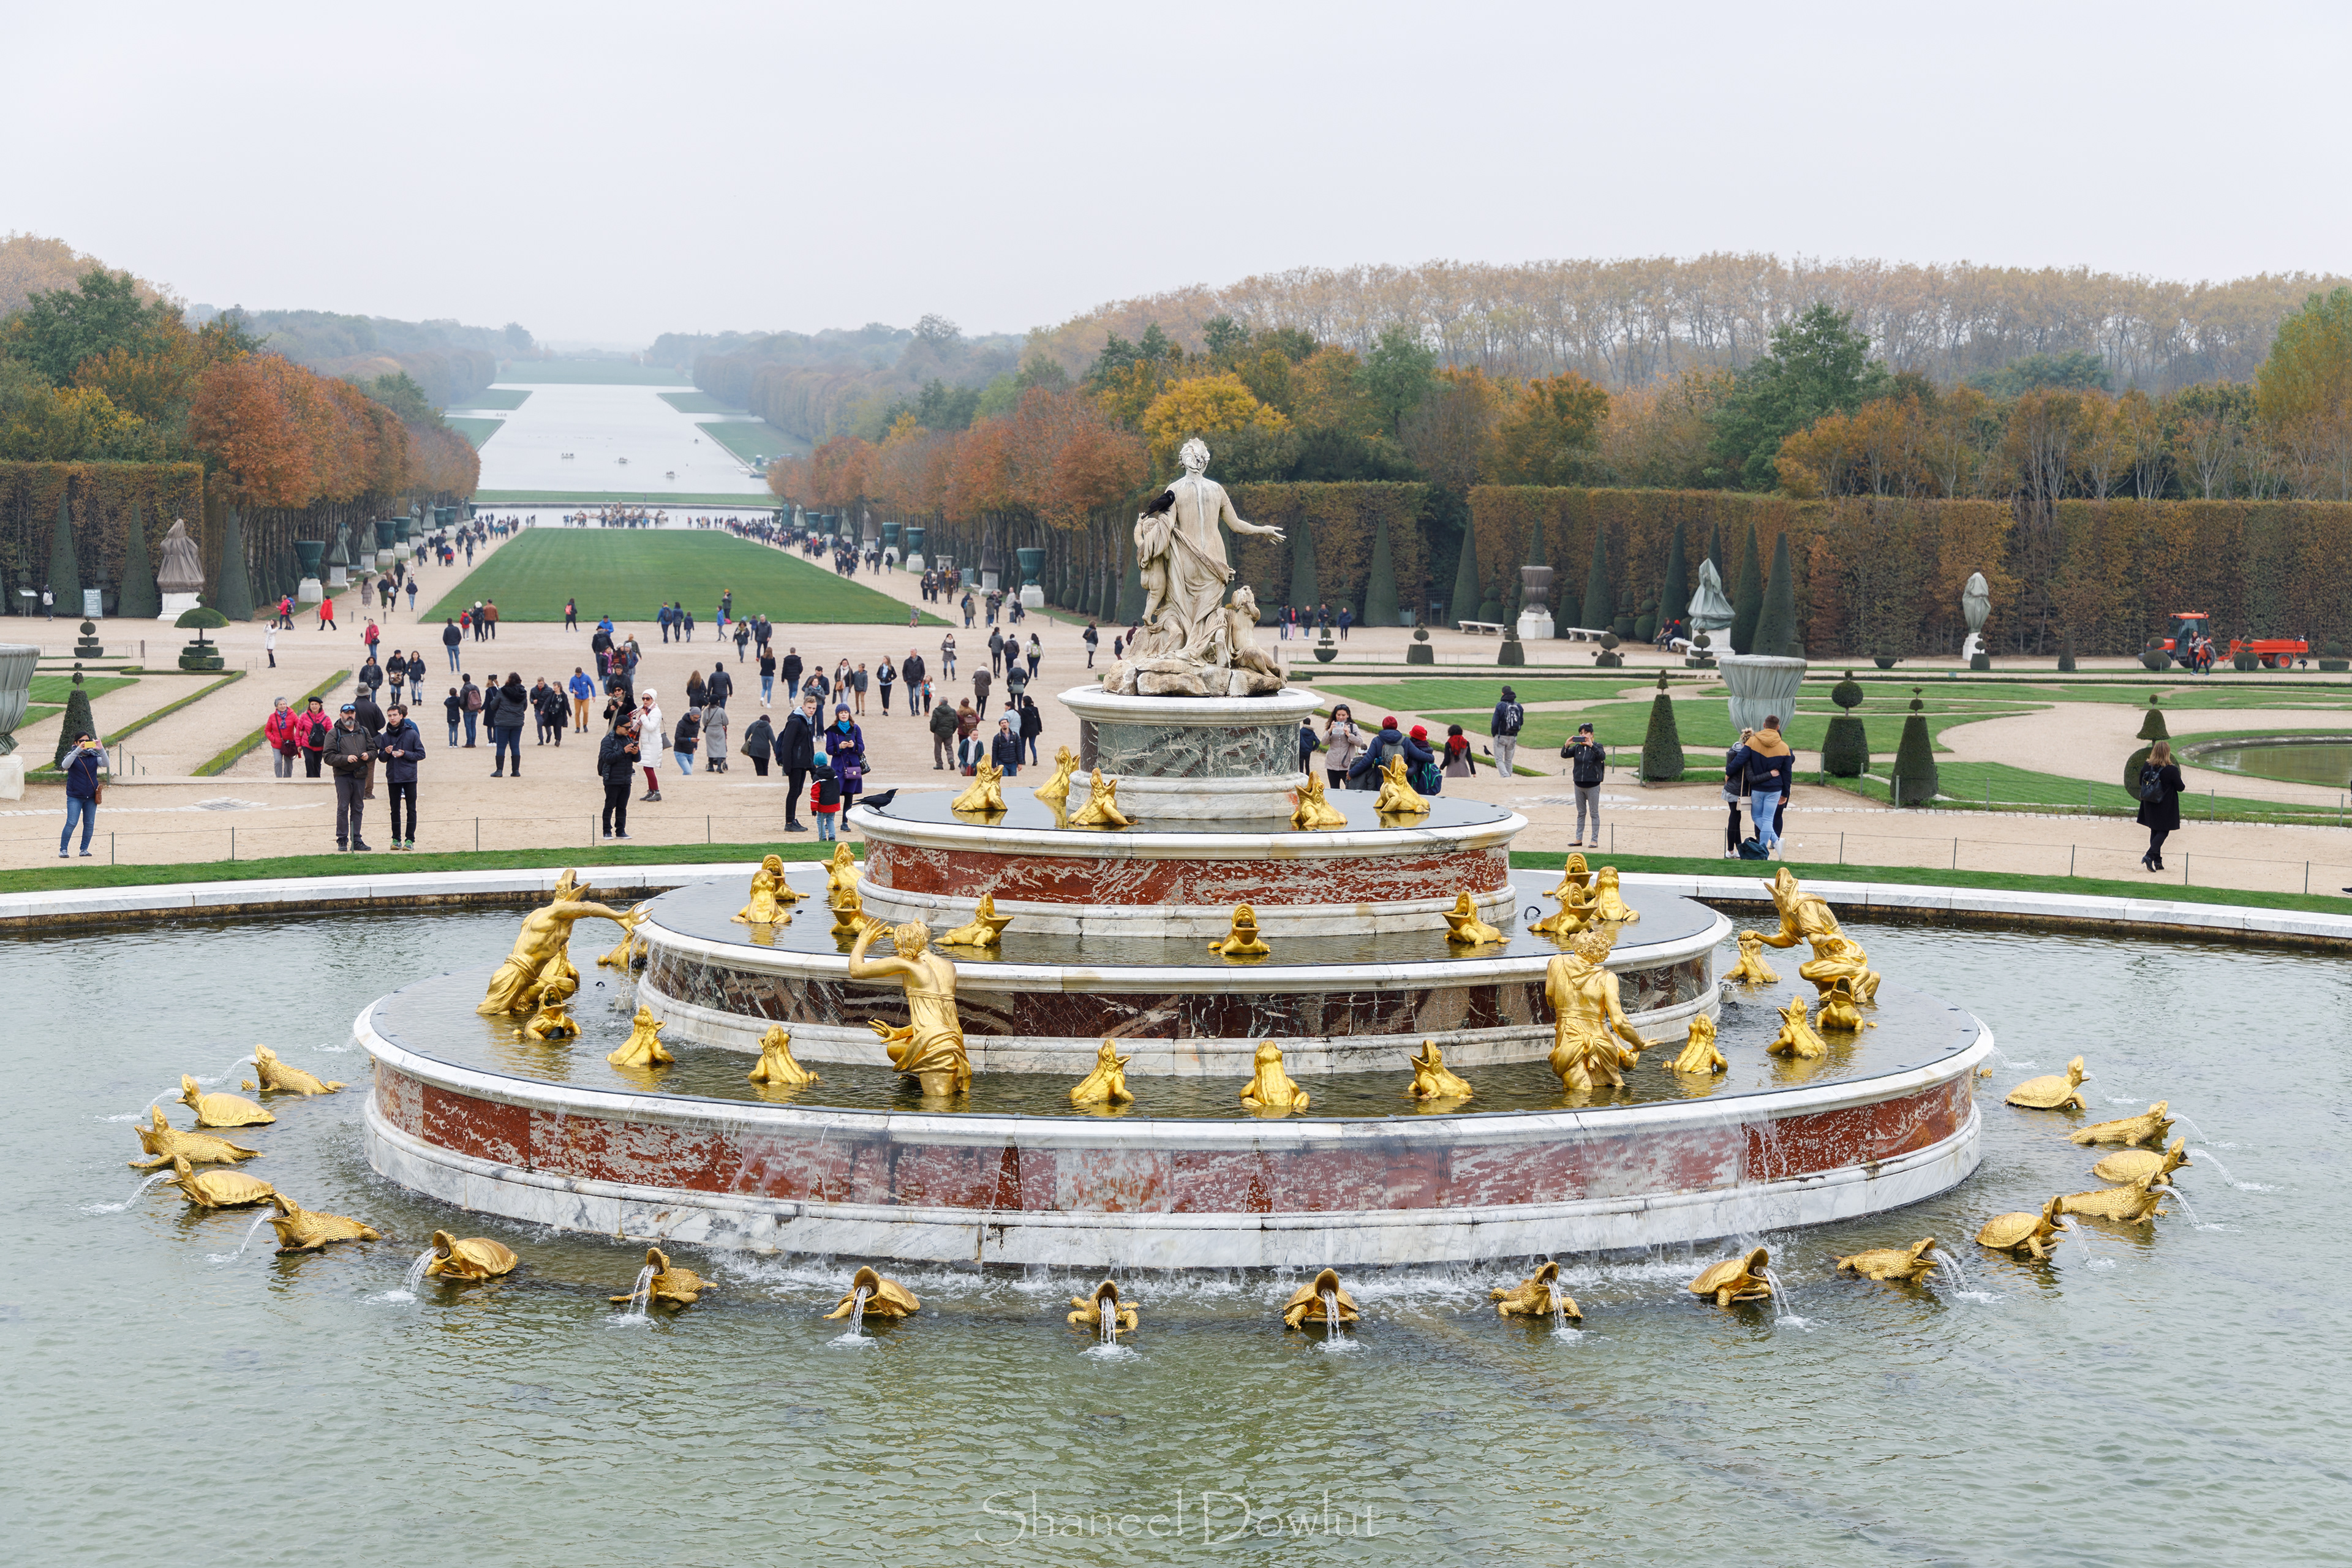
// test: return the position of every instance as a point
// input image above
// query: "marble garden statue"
(180, 577)
(1192, 643)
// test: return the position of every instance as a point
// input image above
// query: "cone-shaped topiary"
(1380, 606)
(235, 598)
(137, 600)
(1306, 591)
(1674, 599)
(1512, 651)
(78, 721)
(1661, 747)
(1463, 605)
(2152, 728)
(1916, 783)
(1600, 609)
(1845, 747)
(2066, 654)
(1748, 602)
(65, 571)
(1775, 628)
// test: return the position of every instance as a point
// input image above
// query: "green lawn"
(477, 431)
(34, 714)
(1995, 786)
(1704, 723)
(1426, 694)
(630, 573)
(57, 687)
(586, 373)
(698, 403)
(506, 397)
(750, 439)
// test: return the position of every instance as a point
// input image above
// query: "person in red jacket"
(277, 733)
(311, 729)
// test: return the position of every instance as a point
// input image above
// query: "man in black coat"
(616, 763)
(720, 687)
(790, 671)
(796, 754)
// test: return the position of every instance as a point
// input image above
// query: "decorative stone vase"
(915, 534)
(1761, 685)
(87, 645)
(1981, 661)
(1884, 660)
(309, 551)
(1419, 651)
(890, 536)
(1535, 604)
(1702, 652)
(17, 662)
(1203, 758)
(1327, 650)
(1032, 560)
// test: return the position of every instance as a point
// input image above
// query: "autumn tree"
(1817, 364)
(2303, 392)
(1206, 406)
(1547, 436)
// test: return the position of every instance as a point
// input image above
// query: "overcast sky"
(606, 173)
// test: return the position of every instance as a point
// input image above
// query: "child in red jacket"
(824, 799)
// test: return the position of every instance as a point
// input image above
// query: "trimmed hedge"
(98, 497)
(1344, 523)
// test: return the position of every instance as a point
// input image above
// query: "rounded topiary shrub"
(2331, 658)
(1847, 693)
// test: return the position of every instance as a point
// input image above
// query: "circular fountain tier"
(1045, 1000)
(1207, 758)
(470, 1110)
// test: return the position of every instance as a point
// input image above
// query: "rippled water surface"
(2171, 1393)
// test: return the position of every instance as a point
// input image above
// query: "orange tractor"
(2192, 627)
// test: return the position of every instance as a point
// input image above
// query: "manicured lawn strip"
(1703, 725)
(508, 398)
(698, 403)
(629, 573)
(165, 711)
(1426, 696)
(45, 881)
(1934, 877)
(34, 714)
(221, 762)
(477, 431)
(57, 687)
(672, 502)
(750, 439)
(588, 372)
(2019, 789)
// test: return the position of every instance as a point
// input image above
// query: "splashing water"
(2083, 1239)
(1106, 1346)
(163, 1175)
(259, 1220)
(1955, 1279)
(412, 1282)
(1334, 1340)
(641, 1299)
(2207, 1154)
(2190, 1122)
(855, 1335)
(2190, 1209)
(1784, 1311)
(174, 1092)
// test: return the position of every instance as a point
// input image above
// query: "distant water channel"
(2175, 1395)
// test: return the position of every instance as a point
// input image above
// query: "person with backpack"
(825, 800)
(943, 732)
(1426, 778)
(1771, 767)
(1735, 794)
(1383, 749)
(1502, 729)
(471, 696)
(1588, 764)
(2160, 784)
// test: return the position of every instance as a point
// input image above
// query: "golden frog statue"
(884, 1297)
(1608, 900)
(220, 1109)
(1431, 1079)
(929, 1049)
(1312, 809)
(848, 916)
(1464, 929)
(1101, 809)
(2151, 1127)
(557, 982)
(476, 1257)
(1057, 788)
(642, 1048)
(1838, 1010)
(629, 952)
(551, 1022)
(1806, 917)
(275, 1077)
(1104, 1302)
(219, 1189)
(539, 956)
(2053, 1092)
(2136, 1200)
(1904, 1265)
(1306, 1304)
(841, 877)
(985, 792)
(1397, 796)
(2024, 1231)
(1243, 941)
(1588, 1019)
(672, 1285)
(776, 1068)
(2131, 1164)
(985, 929)
(771, 898)
(1536, 1295)
(164, 1142)
(1739, 1278)
(1107, 1085)
(1796, 1037)
(1751, 969)
(306, 1230)
(1270, 1087)
(1699, 1053)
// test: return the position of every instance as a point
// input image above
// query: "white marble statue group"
(1194, 642)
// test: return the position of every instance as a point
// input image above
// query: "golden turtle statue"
(306, 1230)
(2149, 1127)
(985, 793)
(1397, 796)
(220, 1109)
(1243, 941)
(1101, 809)
(2131, 1164)
(1056, 790)
(642, 1048)
(2024, 1231)
(476, 1257)
(1751, 969)
(1107, 1085)
(1699, 1052)
(776, 1068)
(1796, 1037)
(2053, 1091)
(1536, 1295)
(219, 1189)
(2136, 1200)
(275, 1077)
(164, 1140)
(1104, 1302)
(884, 1297)
(1903, 1265)
(1270, 1087)
(1739, 1278)
(1464, 929)
(1306, 1304)
(1431, 1079)
(985, 929)
(672, 1285)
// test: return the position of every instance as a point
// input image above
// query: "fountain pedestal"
(1202, 758)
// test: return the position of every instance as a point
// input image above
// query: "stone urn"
(1032, 560)
(915, 535)
(1535, 604)
(310, 552)
(1761, 685)
(1326, 650)
(17, 662)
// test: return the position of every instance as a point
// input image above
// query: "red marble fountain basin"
(1083, 1192)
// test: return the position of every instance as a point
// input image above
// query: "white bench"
(1481, 629)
